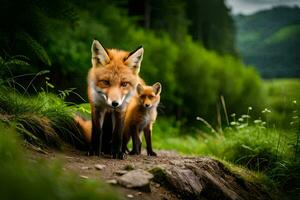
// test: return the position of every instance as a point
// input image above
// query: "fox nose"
(114, 103)
(147, 105)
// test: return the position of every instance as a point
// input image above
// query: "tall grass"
(43, 119)
(254, 146)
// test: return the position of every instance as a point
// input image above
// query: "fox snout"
(114, 102)
(111, 96)
(115, 97)
(147, 103)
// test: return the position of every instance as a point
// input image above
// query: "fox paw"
(151, 153)
(134, 153)
(119, 155)
(93, 153)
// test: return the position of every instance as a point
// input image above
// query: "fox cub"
(140, 116)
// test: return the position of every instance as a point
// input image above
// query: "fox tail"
(86, 127)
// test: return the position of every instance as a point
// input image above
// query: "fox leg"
(136, 143)
(139, 143)
(107, 129)
(126, 138)
(95, 133)
(148, 138)
(118, 127)
(96, 141)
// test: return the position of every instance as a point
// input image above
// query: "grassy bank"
(270, 152)
(43, 119)
(24, 179)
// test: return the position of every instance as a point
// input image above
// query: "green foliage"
(24, 179)
(209, 76)
(41, 119)
(269, 40)
(25, 26)
(37, 49)
(17, 62)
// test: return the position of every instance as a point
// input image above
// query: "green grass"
(281, 93)
(43, 119)
(255, 147)
(22, 178)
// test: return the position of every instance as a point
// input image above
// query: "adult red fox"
(140, 115)
(112, 82)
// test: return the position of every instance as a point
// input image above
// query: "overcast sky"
(251, 6)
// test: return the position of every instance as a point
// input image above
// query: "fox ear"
(139, 89)
(134, 59)
(99, 54)
(157, 88)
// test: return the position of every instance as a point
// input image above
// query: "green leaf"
(35, 46)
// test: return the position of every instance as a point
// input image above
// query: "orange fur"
(112, 82)
(140, 116)
(86, 126)
(115, 72)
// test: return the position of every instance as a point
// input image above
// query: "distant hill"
(270, 40)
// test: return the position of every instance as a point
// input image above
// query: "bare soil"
(77, 162)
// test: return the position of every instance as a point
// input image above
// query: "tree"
(168, 16)
(212, 25)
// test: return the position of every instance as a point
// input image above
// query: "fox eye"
(124, 84)
(150, 97)
(104, 82)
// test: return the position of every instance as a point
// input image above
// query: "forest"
(270, 42)
(211, 65)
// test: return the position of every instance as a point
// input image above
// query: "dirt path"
(84, 166)
(188, 177)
